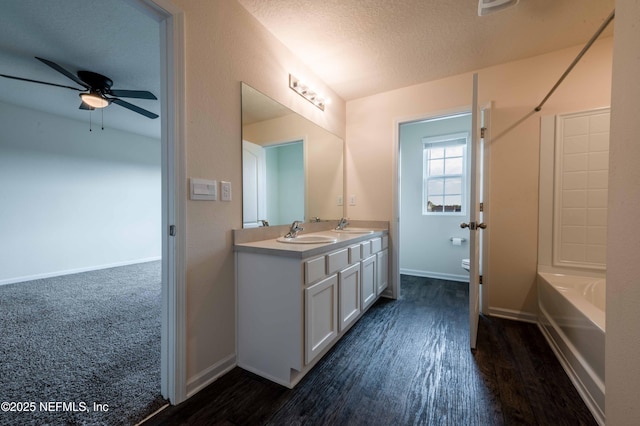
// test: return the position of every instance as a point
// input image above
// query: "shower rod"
(577, 59)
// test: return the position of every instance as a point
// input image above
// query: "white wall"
(425, 240)
(623, 243)
(74, 200)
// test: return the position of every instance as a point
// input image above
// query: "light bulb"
(94, 100)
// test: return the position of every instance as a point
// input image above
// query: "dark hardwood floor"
(406, 362)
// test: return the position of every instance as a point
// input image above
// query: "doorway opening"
(434, 196)
(102, 207)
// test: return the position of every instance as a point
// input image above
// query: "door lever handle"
(473, 226)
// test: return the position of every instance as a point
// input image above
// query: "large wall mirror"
(292, 169)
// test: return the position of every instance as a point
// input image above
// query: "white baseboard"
(513, 315)
(75, 271)
(210, 375)
(437, 275)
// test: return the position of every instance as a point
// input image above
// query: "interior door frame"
(172, 73)
(394, 226)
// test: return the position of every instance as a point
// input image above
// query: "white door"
(475, 225)
(253, 185)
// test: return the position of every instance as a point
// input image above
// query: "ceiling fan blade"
(40, 82)
(139, 94)
(133, 108)
(63, 72)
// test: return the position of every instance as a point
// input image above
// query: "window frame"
(444, 141)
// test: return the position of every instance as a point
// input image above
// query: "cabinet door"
(349, 289)
(321, 316)
(382, 275)
(368, 281)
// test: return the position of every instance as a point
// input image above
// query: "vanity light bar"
(306, 92)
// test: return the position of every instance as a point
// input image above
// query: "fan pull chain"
(102, 118)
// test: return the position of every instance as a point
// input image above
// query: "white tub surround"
(572, 229)
(295, 301)
(572, 319)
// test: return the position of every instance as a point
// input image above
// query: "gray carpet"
(82, 339)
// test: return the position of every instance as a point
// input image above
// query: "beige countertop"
(277, 248)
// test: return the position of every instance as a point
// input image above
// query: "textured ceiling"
(109, 37)
(363, 47)
(357, 47)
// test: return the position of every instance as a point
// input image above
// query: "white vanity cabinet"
(368, 268)
(382, 271)
(293, 307)
(349, 295)
(320, 316)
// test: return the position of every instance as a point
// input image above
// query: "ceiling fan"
(97, 91)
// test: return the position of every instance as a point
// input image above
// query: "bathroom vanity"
(295, 301)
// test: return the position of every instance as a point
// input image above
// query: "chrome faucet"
(295, 228)
(343, 222)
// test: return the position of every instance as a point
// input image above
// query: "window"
(444, 164)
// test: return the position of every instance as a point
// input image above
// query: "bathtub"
(572, 318)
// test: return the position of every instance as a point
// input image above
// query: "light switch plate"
(225, 191)
(203, 189)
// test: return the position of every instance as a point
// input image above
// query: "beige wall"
(515, 89)
(224, 46)
(623, 267)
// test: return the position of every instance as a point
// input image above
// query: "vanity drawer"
(354, 254)
(376, 245)
(314, 270)
(337, 261)
(385, 242)
(365, 249)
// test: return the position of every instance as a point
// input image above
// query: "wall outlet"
(352, 200)
(225, 191)
(340, 201)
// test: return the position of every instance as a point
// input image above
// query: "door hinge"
(482, 131)
(480, 279)
(172, 230)
(481, 207)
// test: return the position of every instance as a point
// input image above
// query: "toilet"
(465, 264)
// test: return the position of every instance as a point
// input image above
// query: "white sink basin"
(354, 231)
(308, 239)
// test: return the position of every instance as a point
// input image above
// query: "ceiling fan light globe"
(93, 100)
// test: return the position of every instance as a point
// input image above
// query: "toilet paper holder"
(458, 238)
